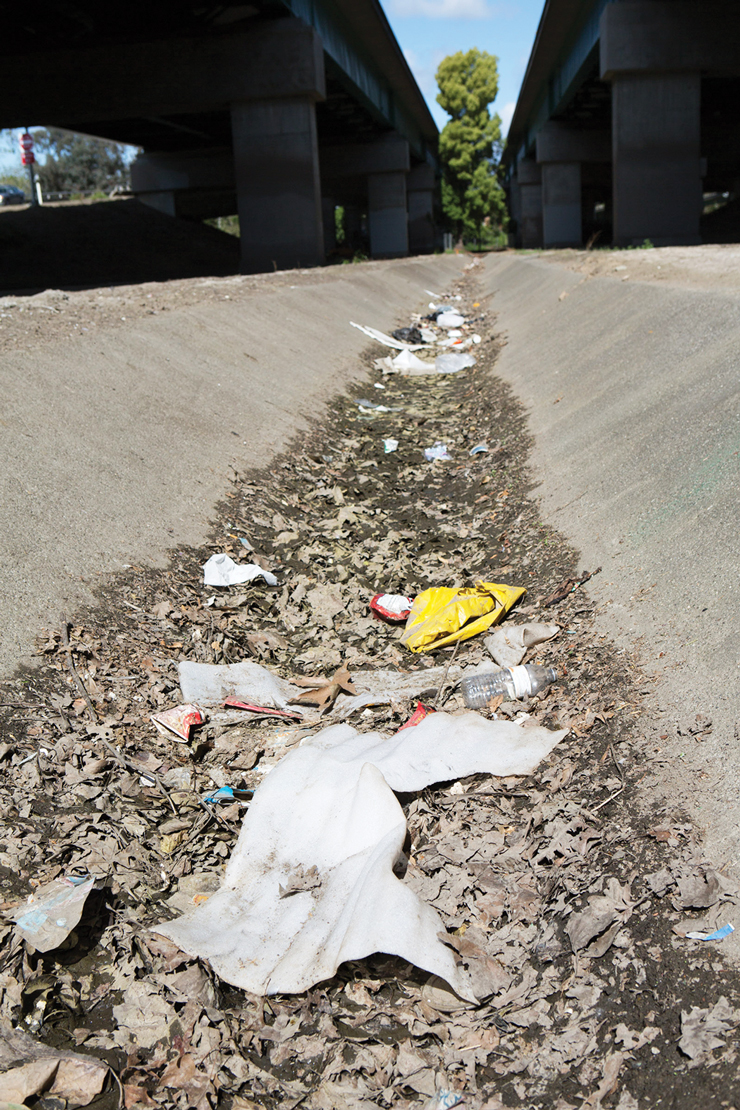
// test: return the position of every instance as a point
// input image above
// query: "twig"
(444, 676)
(73, 670)
(129, 766)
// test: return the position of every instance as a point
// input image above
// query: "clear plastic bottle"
(517, 682)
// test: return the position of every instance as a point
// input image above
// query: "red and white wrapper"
(391, 607)
(262, 710)
(418, 715)
(177, 722)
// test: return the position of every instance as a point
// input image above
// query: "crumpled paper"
(328, 810)
(221, 570)
(508, 644)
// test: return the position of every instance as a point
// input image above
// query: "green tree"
(470, 143)
(77, 163)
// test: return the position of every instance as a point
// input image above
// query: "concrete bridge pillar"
(420, 192)
(530, 203)
(657, 158)
(561, 204)
(278, 189)
(387, 215)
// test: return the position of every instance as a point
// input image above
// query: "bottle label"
(520, 676)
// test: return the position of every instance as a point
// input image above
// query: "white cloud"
(441, 9)
(506, 113)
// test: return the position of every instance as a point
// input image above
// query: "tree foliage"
(77, 163)
(470, 143)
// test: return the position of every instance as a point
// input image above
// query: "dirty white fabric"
(329, 805)
(221, 570)
(210, 684)
(508, 644)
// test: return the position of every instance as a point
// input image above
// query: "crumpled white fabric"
(221, 570)
(508, 644)
(329, 805)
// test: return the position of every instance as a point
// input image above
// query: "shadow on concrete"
(122, 242)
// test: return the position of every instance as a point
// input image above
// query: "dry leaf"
(324, 692)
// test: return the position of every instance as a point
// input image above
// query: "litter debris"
(442, 615)
(209, 684)
(226, 794)
(50, 914)
(408, 335)
(509, 644)
(393, 687)
(407, 360)
(221, 570)
(438, 452)
(386, 340)
(444, 1100)
(517, 682)
(450, 319)
(330, 804)
(479, 449)
(417, 716)
(261, 710)
(389, 446)
(718, 934)
(453, 361)
(177, 722)
(391, 607)
(365, 405)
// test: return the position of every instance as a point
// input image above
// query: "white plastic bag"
(310, 883)
(221, 570)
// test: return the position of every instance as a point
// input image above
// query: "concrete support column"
(656, 158)
(530, 200)
(561, 204)
(276, 166)
(330, 224)
(420, 192)
(387, 215)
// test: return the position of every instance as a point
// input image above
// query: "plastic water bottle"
(517, 682)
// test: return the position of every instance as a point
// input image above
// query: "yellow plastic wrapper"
(443, 615)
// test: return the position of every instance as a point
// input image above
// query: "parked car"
(10, 194)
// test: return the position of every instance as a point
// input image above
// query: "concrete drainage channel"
(559, 906)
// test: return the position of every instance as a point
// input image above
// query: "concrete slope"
(634, 396)
(116, 445)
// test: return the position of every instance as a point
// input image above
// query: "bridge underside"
(628, 118)
(242, 108)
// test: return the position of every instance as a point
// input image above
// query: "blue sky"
(429, 30)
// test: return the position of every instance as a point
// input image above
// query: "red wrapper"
(391, 607)
(419, 714)
(177, 722)
(262, 710)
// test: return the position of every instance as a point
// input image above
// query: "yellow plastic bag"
(443, 615)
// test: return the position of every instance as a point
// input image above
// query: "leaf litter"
(565, 903)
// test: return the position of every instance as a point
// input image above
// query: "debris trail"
(570, 910)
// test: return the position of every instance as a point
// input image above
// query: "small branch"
(73, 670)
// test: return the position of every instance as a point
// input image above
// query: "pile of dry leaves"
(568, 907)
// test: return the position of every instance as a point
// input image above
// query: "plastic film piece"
(443, 615)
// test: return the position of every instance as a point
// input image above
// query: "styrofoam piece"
(330, 805)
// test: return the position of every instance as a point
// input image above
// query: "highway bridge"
(628, 114)
(276, 109)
